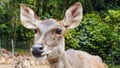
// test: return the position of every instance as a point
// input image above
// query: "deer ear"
(28, 17)
(73, 16)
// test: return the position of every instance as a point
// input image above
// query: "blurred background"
(98, 33)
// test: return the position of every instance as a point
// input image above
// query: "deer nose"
(37, 50)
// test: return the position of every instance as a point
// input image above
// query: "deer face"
(49, 33)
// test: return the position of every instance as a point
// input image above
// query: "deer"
(49, 42)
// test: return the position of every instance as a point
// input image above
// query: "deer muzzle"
(37, 50)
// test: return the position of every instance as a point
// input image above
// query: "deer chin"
(43, 56)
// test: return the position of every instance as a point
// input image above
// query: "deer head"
(49, 33)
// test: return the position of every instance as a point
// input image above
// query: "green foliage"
(117, 66)
(71, 39)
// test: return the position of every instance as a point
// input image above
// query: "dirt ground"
(6, 60)
(10, 66)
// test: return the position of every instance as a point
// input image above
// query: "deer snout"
(37, 50)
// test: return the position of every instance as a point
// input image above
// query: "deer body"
(67, 61)
(77, 59)
(49, 39)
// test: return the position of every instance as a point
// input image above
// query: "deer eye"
(35, 30)
(58, 31)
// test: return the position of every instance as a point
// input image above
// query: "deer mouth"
(46, 53)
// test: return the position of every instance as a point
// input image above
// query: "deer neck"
(61, 62)
(57, 58)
